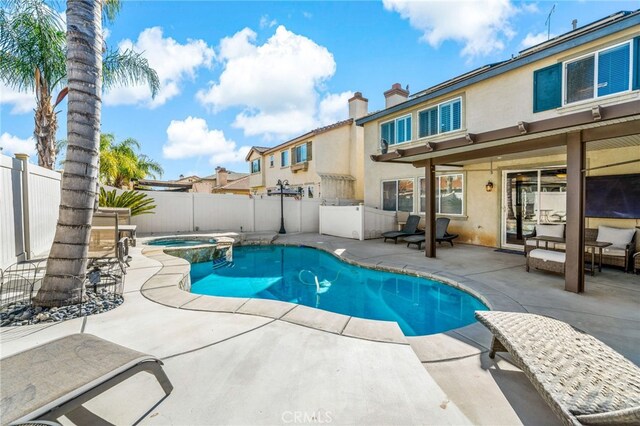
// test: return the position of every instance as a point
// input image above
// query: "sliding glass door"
(531, 197)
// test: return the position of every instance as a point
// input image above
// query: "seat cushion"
(556, 231)
(609, 251)
(618, 237)
(548, 255)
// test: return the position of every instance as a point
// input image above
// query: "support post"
(430, 209)
(26, 232)
(574, 268)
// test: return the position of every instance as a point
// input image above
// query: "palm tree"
(32, 58)
(120, 162)
(68, 256)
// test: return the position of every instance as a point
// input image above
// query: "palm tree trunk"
(45, 131)
(68, 257)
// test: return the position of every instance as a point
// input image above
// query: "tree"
(68, 257)
(32, 58)
(120, 162)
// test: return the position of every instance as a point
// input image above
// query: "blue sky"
(238, 74)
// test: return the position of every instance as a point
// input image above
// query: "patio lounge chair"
(105, 243)
(409, 228)
(583, 380)
(125, 227)
(442, 223)
(52, 379)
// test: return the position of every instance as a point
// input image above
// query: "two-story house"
(509, 145)
(326, 162)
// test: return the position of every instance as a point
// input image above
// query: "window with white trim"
(397, 195)
(449, 194)
(441, 118)
(602, 73)
(396, 131)
(271, 161)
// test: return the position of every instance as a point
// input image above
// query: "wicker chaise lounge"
(582, 379)
(52, 379)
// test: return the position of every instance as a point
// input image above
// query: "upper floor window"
(442, 118)
(396, 131)
(255, 166)
(603, 73)
(284, 158)
(302, 153)
(271, 161)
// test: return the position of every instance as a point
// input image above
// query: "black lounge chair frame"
(409, 228)
(442, 223)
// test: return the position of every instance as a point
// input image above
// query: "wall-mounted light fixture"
(489, 186)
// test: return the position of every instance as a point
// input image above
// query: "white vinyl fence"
(187, 212)
(356, 222)
(29, 200)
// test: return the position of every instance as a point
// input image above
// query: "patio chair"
(105, 243)
(583, 380)
(409, 228)
(125, 227)
(52, 379)
(442, 223)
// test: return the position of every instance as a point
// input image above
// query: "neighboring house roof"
(595, 30)
(264, 150)
(230, 176)
(259, 149)
(307, 135)
(238, 184)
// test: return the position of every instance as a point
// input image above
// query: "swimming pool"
(420, 306)
(180, 242)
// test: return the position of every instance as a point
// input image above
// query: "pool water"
(179, 242)
(419, 305)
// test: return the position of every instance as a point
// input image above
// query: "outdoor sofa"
(623, 240)
(52, 379)
(584, 381)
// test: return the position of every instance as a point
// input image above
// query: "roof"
(230, 176)
(601, 28)
(314, 132)
(259, 149)
(238, 184)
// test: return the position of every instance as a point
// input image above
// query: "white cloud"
(481, 25)
(174, 62)
(21, 102)
(14, 145)
(334, 107)
(265, 22)
(277, 84)
(533, 39)
(193, 138)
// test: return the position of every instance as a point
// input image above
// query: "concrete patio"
(232, 368)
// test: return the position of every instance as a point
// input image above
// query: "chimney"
(574, 24)
(396, 95)
(358, 106)
(221, 176)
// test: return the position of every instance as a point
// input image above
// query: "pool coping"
(169, 287)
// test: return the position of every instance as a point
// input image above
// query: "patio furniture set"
(412, 235)
(610, 246)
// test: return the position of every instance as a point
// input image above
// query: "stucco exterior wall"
(336, 151)
(492, 104)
